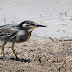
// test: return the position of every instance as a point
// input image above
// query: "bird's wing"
(8, 31)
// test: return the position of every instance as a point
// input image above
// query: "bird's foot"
(17, 58)
(4, 58)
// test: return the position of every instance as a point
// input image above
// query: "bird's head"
(30, 25)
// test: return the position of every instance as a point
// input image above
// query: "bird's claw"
(4, 58)
(17, 58)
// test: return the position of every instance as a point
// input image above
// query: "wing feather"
(8, 31)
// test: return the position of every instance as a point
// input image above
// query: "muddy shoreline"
(37, 55)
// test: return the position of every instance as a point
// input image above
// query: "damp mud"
(38, 55)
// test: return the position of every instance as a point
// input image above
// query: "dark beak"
(37, 25)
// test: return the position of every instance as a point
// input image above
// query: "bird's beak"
(38, 25)
(34, 25)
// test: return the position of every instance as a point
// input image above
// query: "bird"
(17, 33)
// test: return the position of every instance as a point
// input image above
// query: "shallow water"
(56, 14)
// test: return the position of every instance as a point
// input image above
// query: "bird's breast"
(22, 35)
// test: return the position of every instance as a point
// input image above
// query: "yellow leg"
(3, 49)
(14, 50)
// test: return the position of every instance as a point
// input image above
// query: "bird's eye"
(32, 24)
(27, 23)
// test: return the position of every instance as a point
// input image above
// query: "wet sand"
(38, 55)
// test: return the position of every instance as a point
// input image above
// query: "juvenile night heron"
(17, 33)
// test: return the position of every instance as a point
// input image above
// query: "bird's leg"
(3, 49)
(14, 50)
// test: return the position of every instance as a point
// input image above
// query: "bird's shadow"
(17, 59)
